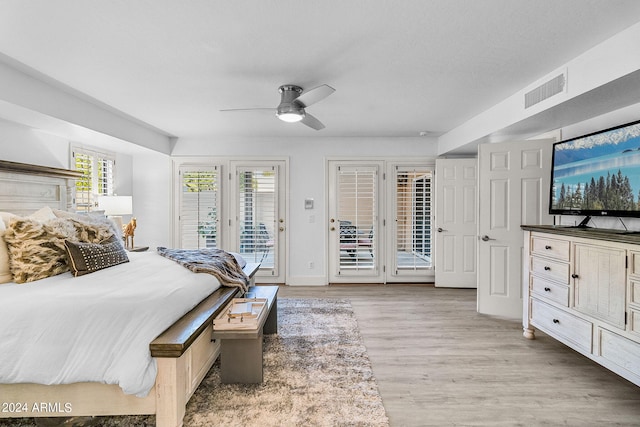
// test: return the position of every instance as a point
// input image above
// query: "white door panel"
(514, 184)
(456, 225)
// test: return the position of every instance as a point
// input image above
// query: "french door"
(379, 228)
(410, 234)
(354, 203)
(241, 210)
(257, 216)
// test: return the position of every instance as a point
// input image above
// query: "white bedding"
(96, 327)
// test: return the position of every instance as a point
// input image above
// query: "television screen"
(597, 174)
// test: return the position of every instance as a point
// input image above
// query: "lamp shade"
(116, 205)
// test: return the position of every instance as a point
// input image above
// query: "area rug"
(316, 373)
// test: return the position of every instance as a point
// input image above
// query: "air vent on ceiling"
(546, 90)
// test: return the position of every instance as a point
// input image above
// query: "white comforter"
(95, 327)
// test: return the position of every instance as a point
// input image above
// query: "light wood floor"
(439, 363)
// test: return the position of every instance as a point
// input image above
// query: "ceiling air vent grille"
(545, 90)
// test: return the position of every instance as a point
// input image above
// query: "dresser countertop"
(611, 235)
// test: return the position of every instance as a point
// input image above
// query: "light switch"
(308, 203)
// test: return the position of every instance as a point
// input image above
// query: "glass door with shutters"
(259, 216)
(412, 233)
(354, 222)
(199, 201)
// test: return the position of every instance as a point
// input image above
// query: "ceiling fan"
(293, 103)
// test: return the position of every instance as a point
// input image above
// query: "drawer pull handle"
(556, 321)
(547, 289)
(547, 268)
(547, 247)
(574, 276)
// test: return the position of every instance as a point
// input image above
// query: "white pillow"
(43, 214)
(5, 271)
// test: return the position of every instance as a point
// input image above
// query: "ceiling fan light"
(291, 117)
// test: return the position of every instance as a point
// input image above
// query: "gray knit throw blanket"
(216, 262)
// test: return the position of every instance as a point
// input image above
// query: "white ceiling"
(398, 67)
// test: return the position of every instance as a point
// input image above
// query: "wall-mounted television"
(597, 174)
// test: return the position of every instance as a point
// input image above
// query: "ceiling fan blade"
(312, 122)
(249, 109)
(314, 95)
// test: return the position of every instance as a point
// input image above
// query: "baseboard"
(307, 281)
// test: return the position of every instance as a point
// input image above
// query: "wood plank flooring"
(440, 363)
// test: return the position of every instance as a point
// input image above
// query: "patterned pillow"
(85, 258)
(36, 249)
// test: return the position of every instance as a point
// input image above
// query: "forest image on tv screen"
(599, 172)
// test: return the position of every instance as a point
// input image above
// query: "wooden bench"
(241, 352)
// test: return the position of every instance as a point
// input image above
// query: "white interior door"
(514, 190)
(456, 223)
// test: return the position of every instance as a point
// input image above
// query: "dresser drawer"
(557, 249)
(561, 324)
(550, 290)
(552, 270)
(619, 350)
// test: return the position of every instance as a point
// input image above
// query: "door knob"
(440, 229)
(486, 238)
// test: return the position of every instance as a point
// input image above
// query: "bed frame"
(184, 352)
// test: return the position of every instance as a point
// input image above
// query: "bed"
(152, 366)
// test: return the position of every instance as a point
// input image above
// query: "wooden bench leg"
(241, 361)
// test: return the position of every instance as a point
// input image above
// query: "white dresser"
(582, 287)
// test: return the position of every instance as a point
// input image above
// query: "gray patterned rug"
(316, 373)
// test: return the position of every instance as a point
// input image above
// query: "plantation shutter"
(199, 207)
(357, 210)
(413, 218)
(98, 170)
(257, 209)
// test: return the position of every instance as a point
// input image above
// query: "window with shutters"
(413, 218)
(199, 207)
(98, 171)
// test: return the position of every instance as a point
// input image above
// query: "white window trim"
(96, 154)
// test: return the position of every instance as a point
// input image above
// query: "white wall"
(142, 173)
(307, 179)
(25, 145)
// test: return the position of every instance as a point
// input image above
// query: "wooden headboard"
(25, 188)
